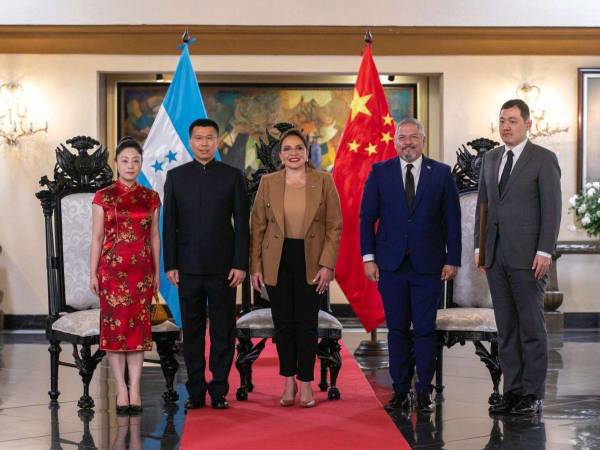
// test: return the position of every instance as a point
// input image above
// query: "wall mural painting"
(244, 111)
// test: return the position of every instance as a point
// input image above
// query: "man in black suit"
(205, 246)
(520, 183)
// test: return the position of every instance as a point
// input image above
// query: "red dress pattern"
(126, 268)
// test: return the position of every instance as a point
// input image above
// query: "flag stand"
(372, 347)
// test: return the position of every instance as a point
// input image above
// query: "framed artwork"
(588, 133)
(244, 111)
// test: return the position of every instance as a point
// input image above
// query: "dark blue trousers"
(411, 298)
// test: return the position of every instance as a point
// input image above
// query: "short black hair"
(128, 142)
(203, 123)
(519, 104)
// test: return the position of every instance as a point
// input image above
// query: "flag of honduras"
(167, 145)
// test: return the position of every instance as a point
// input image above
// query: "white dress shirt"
(416, 171)
(517, 150)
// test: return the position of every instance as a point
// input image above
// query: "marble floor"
(571, 418)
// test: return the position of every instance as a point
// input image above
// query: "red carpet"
(357, 421)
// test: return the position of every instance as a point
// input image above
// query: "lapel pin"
(428, 167)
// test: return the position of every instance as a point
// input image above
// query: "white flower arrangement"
(587, 208)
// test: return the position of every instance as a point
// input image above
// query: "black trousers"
(295, 308)
(518, 300)
(196, 293)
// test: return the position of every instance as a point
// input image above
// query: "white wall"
(64, 90)
(558, 13)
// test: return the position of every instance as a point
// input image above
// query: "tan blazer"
(322, 225)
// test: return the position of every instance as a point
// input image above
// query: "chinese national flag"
(368, 138)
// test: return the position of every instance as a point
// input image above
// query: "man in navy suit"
(410, 238)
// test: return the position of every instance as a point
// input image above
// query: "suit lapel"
(276, 197)
(314, 187)
(424, 179)
(496, 171)
(521, 162)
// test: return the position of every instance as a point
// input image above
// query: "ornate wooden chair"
(467, 314)
(256, 321)
(73, 311)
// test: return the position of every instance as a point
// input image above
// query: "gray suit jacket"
(527, 216)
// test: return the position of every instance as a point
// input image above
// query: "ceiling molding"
(298, 40)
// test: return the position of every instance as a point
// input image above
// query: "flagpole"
(372, 353)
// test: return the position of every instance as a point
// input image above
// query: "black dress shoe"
(507, 403)
(424, 403)
(190, 404)
(398, 401)
(135, 409)
(219, 403)
(122, 410)
(527, 406)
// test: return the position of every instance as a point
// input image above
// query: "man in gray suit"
(520, 183)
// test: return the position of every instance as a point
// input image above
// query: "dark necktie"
(409, 186)
(506, 171)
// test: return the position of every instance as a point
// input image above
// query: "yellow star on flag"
(387, 119)
(371, 149)
(359, 104)
(386, 137)
(353, 146)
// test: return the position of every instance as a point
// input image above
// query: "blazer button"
(272, 220)
(312, 235)
(276, 237)
(316, 219)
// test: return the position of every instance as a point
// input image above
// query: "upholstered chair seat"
(466, 319)
(86, 323)
(260, 323)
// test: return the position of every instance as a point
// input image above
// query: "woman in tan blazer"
(296, 226)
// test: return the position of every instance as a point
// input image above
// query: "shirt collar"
(517, 149)
(207, 165)
(416, 163)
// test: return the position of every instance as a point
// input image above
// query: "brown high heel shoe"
(309, 403)
(285, 402)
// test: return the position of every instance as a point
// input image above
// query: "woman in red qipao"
(124, 270)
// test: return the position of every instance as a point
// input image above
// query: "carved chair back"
(67, 204)
(469, 288)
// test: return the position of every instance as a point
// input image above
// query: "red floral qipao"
(126, 269)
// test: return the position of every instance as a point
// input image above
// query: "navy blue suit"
(410, 247)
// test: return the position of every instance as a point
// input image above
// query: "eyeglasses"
(289, 148)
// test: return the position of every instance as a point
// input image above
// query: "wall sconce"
(530, 94)
(14, 122)
(540, 127)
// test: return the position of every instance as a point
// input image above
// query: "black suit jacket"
(206, 215)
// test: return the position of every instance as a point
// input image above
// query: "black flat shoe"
(424, 403)
(397, 402)
(527, 406)
(190, 404)
(122, 410)
(506, 404)
(135, 409)
(219, 403)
